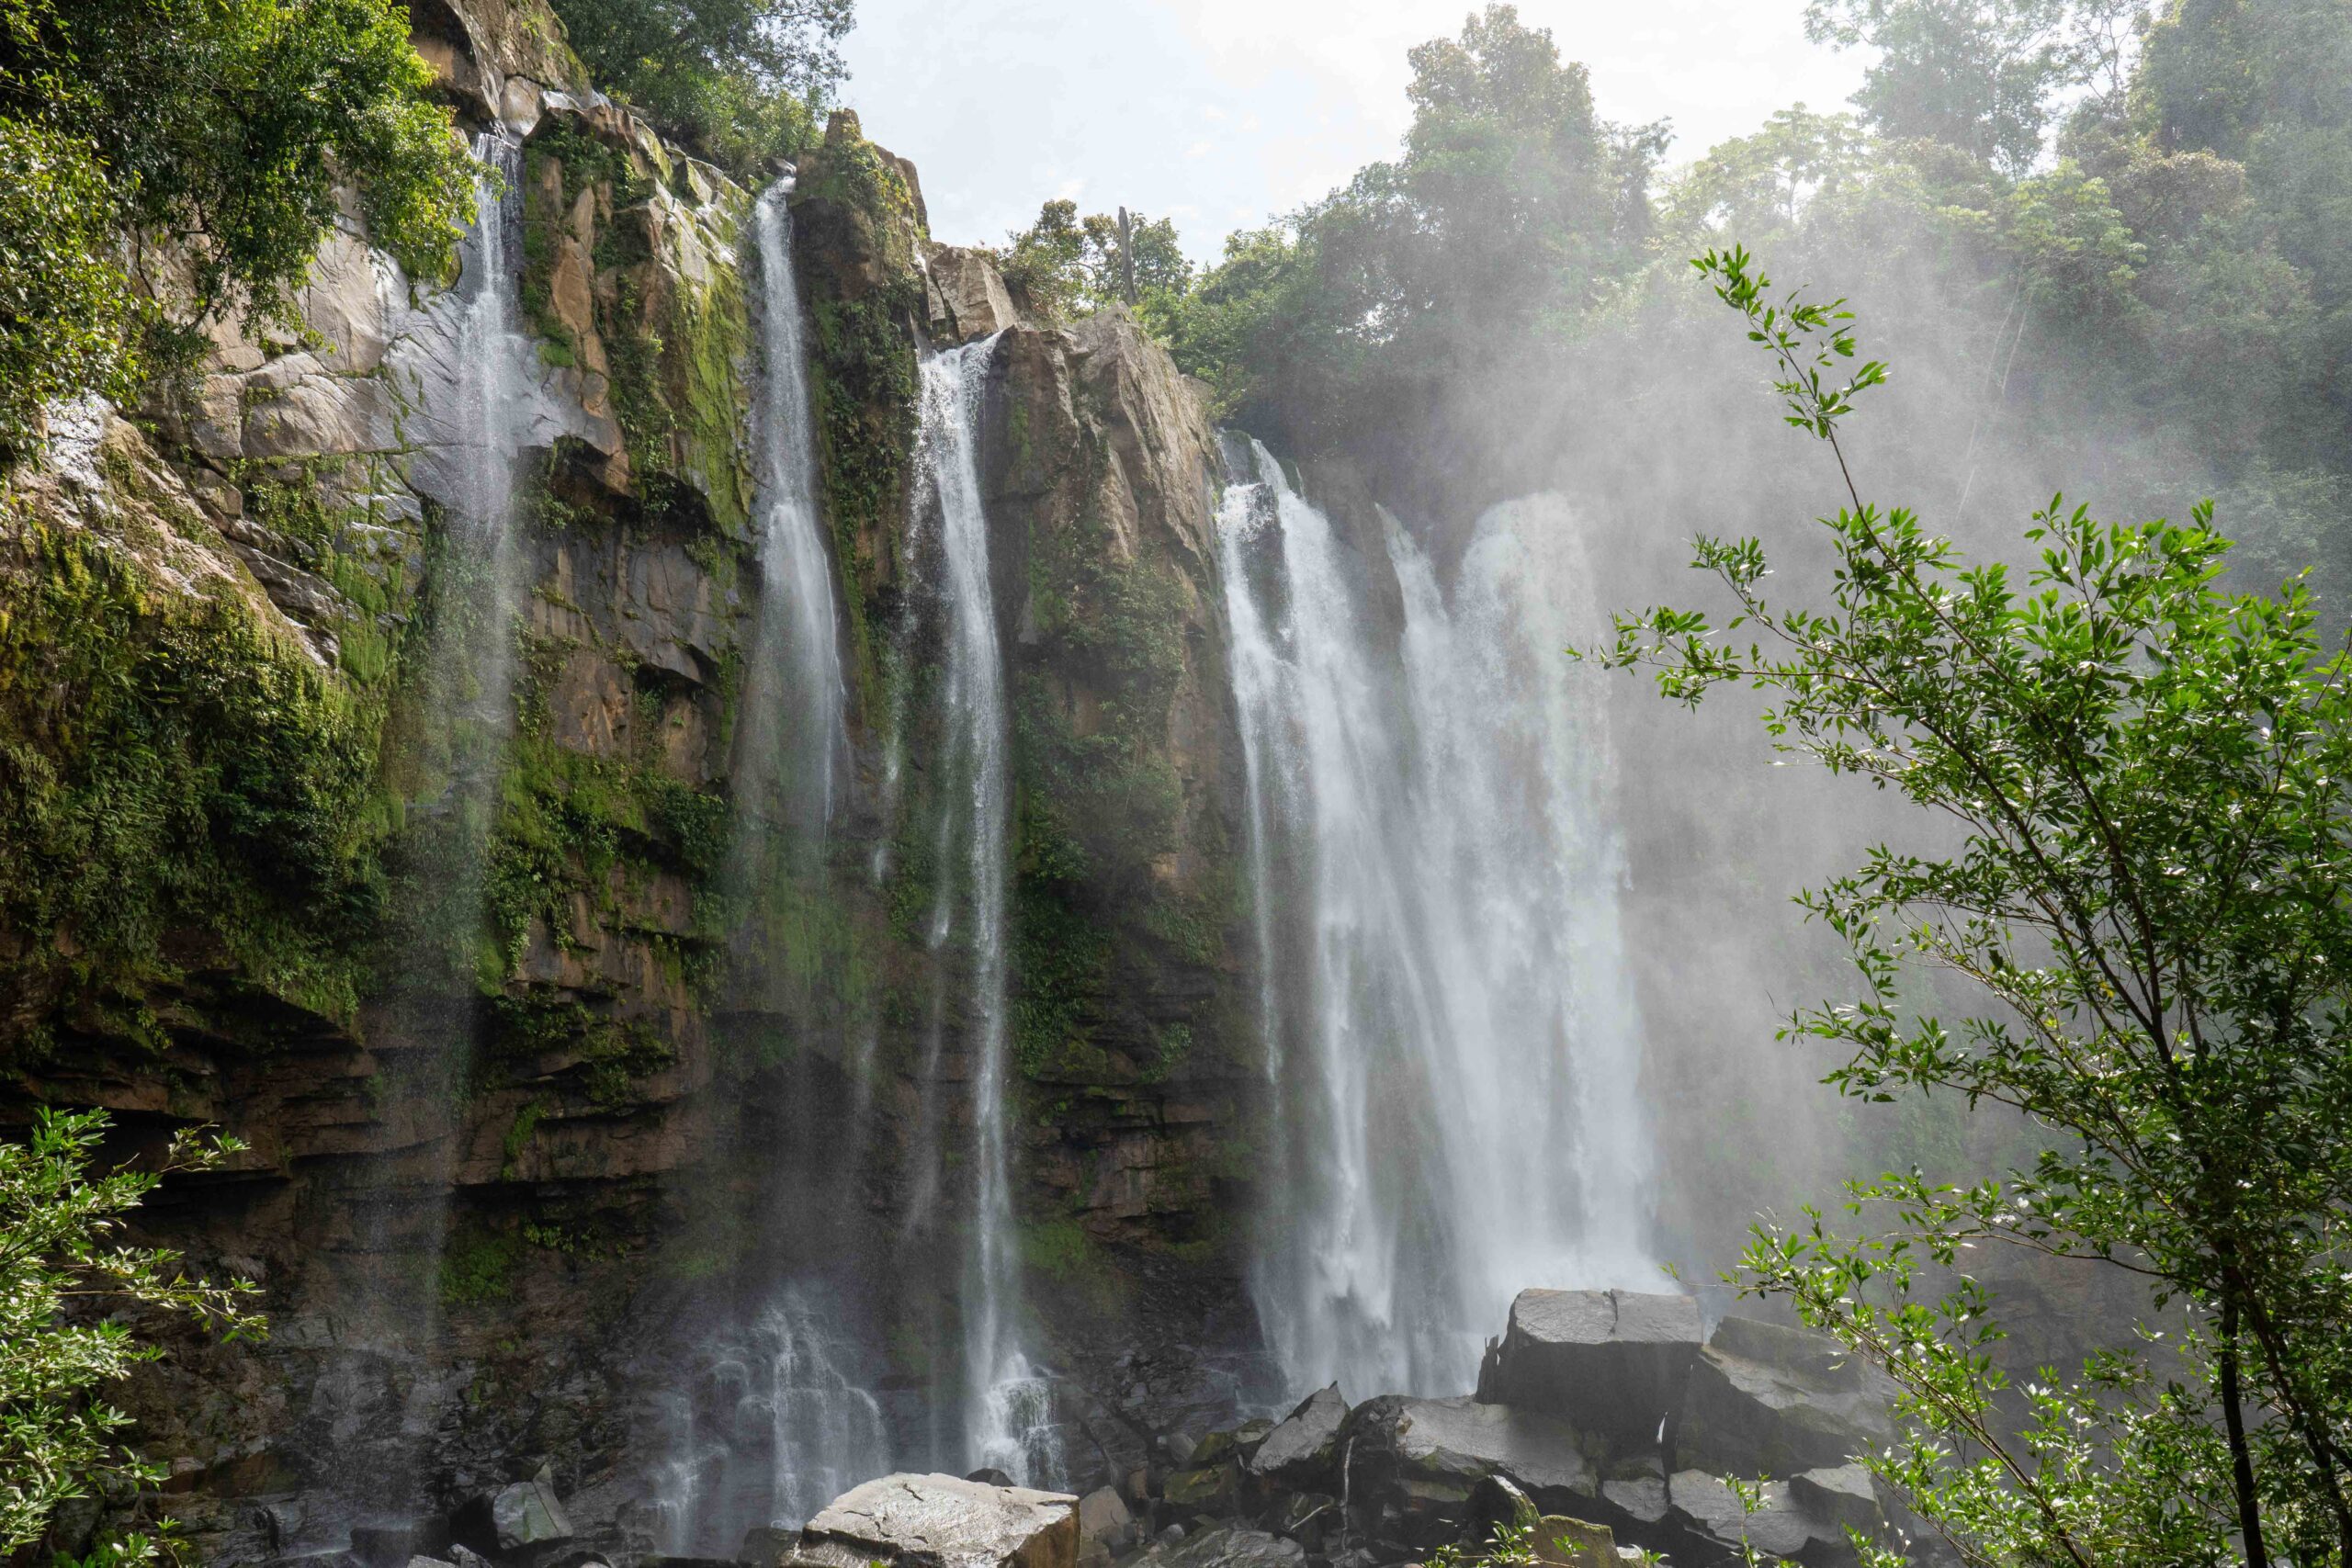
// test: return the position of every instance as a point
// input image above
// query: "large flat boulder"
(1764, 1400)
(1413, 1462)
(941, 1521)
(1612, 1361)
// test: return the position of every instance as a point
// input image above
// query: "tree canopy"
(2151, 780)
(741, 79)
(221, 128)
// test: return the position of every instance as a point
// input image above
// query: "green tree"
(1066, 265)
(1761, 183)
(219, 128)
(2148, 782)
(742, 79)
(1513, 210)
(1976, 74)
(62, 1263)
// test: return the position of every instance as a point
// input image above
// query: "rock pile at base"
(1606, 1423)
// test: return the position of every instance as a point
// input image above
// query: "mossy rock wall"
(512, 1009)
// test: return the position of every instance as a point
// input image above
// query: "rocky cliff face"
(543, 1096)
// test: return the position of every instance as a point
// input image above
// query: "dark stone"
(1208, 1489)
(1612, 1361)
(1308, 1518)
(1780, 1528)
(528, 1514)
(1414, 1462)
(1495, 1502)
(1301, 1452)
(1229, 1548)
(1214, 1446)
(1559, 1541)
(1769, 1400)
(1640, 1499)
(988, 1475)
(1845, 1496)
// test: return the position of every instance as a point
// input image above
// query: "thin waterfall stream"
(796, 743)
(1005, 1402)
(469, 342)
(785, 1419)
(1449, 1027)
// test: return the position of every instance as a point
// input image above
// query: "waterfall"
(784, 1424)
(475, 384)
(475, 376)
(1005, 1402)
(1444, 990)
(796, 737)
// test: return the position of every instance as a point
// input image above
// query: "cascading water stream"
(1004, 1401)
(778, 1417)
(797, 737)
(474, 419)
(790, 1389)
(1444, 990)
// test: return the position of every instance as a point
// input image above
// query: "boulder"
(1612, 1361)
(1636, 1501)
(1308, 1518)
(967, 297)
(1104, 1516)
(1842, 1496)
(1764, 1400)
(1495, 1504)
(1559, 1541)
(941, 1521)
(1204, 1489)
(1780, 1528)
(1228, 1548)
(528, 1514)
(1303, 1450)
(1414, 1461)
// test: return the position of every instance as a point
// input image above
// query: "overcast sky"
(1220, 113)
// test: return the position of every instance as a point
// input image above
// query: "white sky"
(1221, 113)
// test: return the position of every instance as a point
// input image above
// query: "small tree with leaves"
(2149, 778)
(66, 1284)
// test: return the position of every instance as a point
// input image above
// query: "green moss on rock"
(172, 763)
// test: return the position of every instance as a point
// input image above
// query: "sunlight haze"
(1222, 113)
